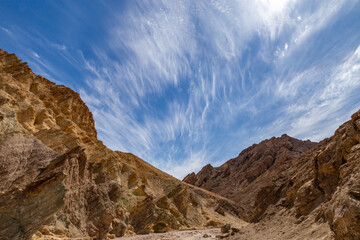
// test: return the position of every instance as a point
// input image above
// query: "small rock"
(206, 236)
(220, 211)
(160, 227)
(235, 230)
(225, 228)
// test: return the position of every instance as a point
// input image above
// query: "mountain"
(59, 180)
(316, 182)
(257, 176)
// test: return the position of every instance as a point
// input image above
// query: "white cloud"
(58, 46)
(196, 46)
(5, 30)
(36, 55)
(193, 163)
(329, 106)
(314, 20)
(184, 83)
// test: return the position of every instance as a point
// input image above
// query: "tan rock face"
(32, 188)
(321, 180)
(19, 153)
(104, 191)
(37, 191)
(38, 186)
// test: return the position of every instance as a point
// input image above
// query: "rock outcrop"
(257, 177)
(333, 193)
(99, 191)
(320, 180)
(37, 182)
(27, 187)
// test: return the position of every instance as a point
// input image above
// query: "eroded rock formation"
(59, 180)
(321, 180)
(98, 191)
(257, 177)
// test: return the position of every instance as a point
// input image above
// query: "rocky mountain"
(317, 182)
(60, 181)
(256, 177)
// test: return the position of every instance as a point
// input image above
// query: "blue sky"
(186, 83)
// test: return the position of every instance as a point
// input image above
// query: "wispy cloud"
(323, 111)
(184, 83)
(5, 29)
(190, 72)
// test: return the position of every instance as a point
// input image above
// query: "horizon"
(184, 84)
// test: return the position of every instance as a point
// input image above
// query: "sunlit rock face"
(30, 191)
(63, 182)
(305, 178)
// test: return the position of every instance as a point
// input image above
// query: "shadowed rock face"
(307, 178)
(101, 191)
(22, 213)
(27, 187)
(37, 183)
(336, 166)
(257, 177)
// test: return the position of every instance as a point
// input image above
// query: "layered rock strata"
(102, 191)
(257, 177)
(320, 180)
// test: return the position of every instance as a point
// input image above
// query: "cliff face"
(308, 179)
(333, 194)
(89, 189)
(28, 187)
(256, 178)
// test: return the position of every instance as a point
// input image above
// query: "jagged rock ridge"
(253, 179)
(98, 191)
(319, 181)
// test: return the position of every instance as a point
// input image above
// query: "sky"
(185, 83)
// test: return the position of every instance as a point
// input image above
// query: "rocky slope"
(319, 182)
(255, 179)
(64, 182)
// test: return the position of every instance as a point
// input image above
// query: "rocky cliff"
(60, 180)
(256, 178)
(316, 181)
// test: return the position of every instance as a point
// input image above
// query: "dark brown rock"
(312, 179)
(225, 228)
(257, 177)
